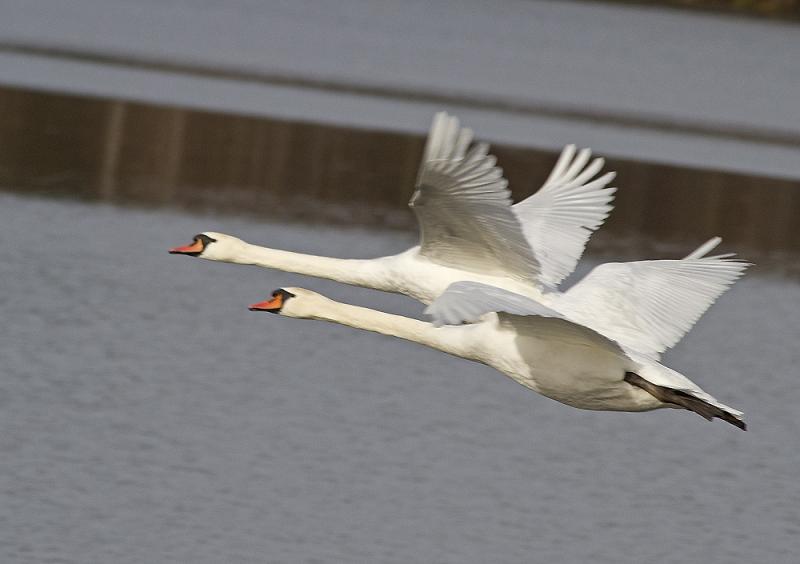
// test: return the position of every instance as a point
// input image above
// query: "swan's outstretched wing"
(649, 306)
(464, 209)
(560, 217)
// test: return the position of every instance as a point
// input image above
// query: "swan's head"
(212, 246)
(293, 302)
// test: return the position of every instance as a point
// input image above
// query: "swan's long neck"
(452, 340)
(368, 273)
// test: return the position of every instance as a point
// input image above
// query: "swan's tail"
(688, 400)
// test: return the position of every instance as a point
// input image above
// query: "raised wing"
(649, 306)
(464, 209)
(560, 217)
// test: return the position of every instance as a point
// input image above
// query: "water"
(147, 416)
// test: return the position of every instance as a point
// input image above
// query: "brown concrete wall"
(127, 152)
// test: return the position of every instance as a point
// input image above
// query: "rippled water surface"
(147, 416)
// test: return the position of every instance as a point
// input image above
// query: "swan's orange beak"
(194, 249)
(273, 305)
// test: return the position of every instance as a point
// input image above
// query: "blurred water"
(147, 416)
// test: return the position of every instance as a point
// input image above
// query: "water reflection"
(147, 416)
(121, 152)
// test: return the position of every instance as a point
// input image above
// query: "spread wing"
(464, 209)
(649, 306)
(560, 217)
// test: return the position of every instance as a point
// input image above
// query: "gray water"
(147, 416)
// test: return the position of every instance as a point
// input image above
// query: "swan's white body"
(532, 344)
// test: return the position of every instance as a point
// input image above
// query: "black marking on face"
(285, 296)
(205, 240)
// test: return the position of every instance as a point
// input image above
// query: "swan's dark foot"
(686, 401)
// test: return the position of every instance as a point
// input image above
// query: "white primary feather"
(706, 248)
(446, 140)
(464, 210)
(560, 217)
(649, 306)
(467, 221)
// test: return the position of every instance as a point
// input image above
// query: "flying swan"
(469, 229)
(470, 232)
(531, 343)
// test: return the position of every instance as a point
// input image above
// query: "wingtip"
(705, 248)
(735, 421)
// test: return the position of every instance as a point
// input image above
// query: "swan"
(536, 346)
(469, 229)
(471, 232)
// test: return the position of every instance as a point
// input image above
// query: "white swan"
(536, 346)
(471, 232)
(469, 229)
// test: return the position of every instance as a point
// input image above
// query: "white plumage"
(650, 305)
(467, 221)
(560, 217)
(469, 301)
(495, 265)
(537, 346)
(469, 229)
